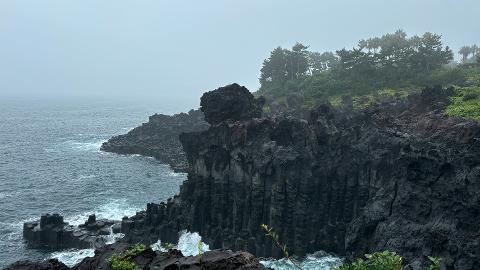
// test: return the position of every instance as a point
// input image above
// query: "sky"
(176, 50)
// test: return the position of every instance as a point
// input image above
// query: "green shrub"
(116, 262)
(168, 246)
(124, 261)
(435, 263)
(385, 260)
(465, 103)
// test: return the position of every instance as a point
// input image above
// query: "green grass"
(465, 103)
(365, 100)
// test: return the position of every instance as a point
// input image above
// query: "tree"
(297, 63)
(319, 62)
(431, 53)
(464, 51)
(474, 50)
(274, 68)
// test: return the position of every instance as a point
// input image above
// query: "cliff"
(400, 176)
(158, 138)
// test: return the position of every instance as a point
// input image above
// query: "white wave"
(318, 261)
(84, 177)
(115, 209)
(113, 237)
(87, 146)
(72, 257)
(157, 246)
(177, 174)
(190, 244)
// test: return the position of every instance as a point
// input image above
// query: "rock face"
(230, 103)
(399, 176)
(53, 233)
(149, 259)
(159, 138)
(52, 264)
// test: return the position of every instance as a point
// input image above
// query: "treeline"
(466, 51)
(391, 61)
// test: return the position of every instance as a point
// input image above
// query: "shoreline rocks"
(149, 259)
(51, 232)
(158, 138)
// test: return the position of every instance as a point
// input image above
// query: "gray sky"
(151, 50)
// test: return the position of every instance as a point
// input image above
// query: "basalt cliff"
(398, 176)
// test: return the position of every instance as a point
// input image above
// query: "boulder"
(230, 103)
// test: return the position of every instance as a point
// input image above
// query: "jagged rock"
(53, 233)
(399, 176)
(232, 102)
(52, 264)
(154, 260)
(159, 138)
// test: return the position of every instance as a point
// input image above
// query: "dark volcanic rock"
(399, 176)
(52, 264)
(159, 138)
(232, 102)
(149, 259)
(51, 232)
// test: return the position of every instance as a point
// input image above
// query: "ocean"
(50, 162)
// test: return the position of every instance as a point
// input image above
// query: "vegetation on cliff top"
(392, 65)
(124, 261)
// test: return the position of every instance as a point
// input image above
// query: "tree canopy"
(391, 60)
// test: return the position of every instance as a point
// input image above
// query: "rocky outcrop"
(400, 176)
(159, 138)
(149, 259)
(53, 233)
(230, 103)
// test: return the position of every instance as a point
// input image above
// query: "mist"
(176, 50)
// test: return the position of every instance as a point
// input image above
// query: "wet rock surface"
(399, 176)
(158, 138)
(51, 232)
(149, 259)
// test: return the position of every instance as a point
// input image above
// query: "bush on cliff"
(385, 260)
(465, 103)
(124, 261)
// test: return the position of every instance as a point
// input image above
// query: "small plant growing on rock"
(124, 261)
(435, 263)
(275, 238)
(168, 246)
(385, 260)
(200, 247)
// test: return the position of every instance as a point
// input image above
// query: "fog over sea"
(50, 162)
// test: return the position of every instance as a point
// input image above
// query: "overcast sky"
(151, 50)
